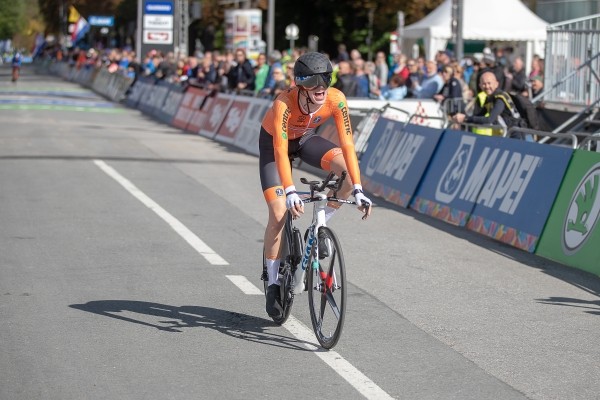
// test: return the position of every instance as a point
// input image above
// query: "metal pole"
(138, 33)
(459, 30)
(271, 27)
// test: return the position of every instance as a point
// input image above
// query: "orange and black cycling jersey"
(286, 121)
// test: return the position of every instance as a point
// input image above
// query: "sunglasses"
(312, 81)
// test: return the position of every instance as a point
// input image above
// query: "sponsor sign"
(501, 187)
(98, 20)
(190, 103)
(396, 158)
(233, 121)
(248, 133)
(216, 112)
(153, 99)
(516, 197)
(572, 233)
(157, 37)
(158, 22)
(158, 7)
(137, 91)
(170, 104)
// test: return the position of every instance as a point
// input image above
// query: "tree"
(11, 18)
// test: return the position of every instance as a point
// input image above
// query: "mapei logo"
(583, 212)
(455, 172)
(498, 180)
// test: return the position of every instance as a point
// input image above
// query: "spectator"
(280, 82)
(342, 53)
(415, 76)
(241, 76)
(372, 79)
(537, 86)
(207, 74)
(518, 78)
(355, 56)
(537, 68)
(381, 68)
(400, 66)
(432, 83)
(289, 74)
(497, 108)
(489, 64)
(274, 62)
(451, 92)
(362, 80)
(395, 90)
(261, 72)
(459, 74)
(346, 81)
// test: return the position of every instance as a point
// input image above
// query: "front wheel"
(327, 290)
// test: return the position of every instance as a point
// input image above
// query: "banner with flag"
(80, 25)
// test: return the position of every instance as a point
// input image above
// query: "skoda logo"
(583, 212)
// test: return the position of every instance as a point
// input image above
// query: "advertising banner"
(189, 106)
(233, 120)
(572, 233)
(137, 91)
(243, 30)
(154, 99)
(248, 132)
(522, 180)
(396, 158)
(166, 112)
(214, 112)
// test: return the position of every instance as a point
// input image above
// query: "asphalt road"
(122, 240)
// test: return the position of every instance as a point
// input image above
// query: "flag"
(80, 27)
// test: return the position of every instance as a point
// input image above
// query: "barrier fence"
(537, 197)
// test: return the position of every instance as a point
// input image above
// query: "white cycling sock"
(273, 271)
(329, 211)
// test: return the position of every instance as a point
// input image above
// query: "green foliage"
(11, 18)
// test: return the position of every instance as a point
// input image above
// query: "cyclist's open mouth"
(320, 95)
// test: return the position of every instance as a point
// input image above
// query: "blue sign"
(159, 7)
(98, 20)
(396, 158)
(502, 188)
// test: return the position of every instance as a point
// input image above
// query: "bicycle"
(326, 282)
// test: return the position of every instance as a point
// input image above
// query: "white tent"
(486, 20)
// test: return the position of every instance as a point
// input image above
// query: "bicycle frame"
(319, 201)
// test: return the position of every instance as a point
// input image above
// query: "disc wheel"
(327, 290)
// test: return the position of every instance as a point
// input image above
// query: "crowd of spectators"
(387, 77)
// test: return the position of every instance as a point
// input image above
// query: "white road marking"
(339, 364)
(244, 284)
(205, 251)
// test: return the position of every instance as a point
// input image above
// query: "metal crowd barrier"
(569, 46)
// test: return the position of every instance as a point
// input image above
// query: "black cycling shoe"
(273, 307)
(324, 246)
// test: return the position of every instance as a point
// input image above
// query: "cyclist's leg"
(275, 199)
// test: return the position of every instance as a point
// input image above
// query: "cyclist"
(289, 128)
(16, 66)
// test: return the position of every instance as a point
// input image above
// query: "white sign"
(158, 37)
(158, 21)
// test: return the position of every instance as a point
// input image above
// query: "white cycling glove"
(291, 197)
(361, 199)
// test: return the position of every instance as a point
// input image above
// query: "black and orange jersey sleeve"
(339, 109)
(280, 118)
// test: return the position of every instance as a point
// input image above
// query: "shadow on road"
(174, 319)
(591, 307)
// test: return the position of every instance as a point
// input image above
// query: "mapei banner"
(499, 187)
(572, 233)
(396, 158)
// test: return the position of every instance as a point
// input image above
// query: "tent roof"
(501, 20)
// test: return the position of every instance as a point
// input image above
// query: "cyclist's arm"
(281, 114)
(341, 116)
